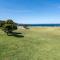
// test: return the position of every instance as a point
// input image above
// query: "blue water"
(45, 25)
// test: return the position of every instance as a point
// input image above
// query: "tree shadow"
(16, 34)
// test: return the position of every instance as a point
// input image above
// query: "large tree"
(1, 23)
(9, 26)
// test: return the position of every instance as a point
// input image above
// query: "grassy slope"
(37, 44)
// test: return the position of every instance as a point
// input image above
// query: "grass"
(37, 44)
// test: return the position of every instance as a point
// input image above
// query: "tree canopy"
(8, 26)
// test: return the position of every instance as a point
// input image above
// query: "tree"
(9, 26)
(1, 23)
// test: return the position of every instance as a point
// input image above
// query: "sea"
(44, 25)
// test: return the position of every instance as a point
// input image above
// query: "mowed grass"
(37, 44)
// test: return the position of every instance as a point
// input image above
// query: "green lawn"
(37, 44)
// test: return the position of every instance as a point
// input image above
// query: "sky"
(30, 11)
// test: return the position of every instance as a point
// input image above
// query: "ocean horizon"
(45, 25)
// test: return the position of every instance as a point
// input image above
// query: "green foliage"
(9, 26)
(2, 23)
